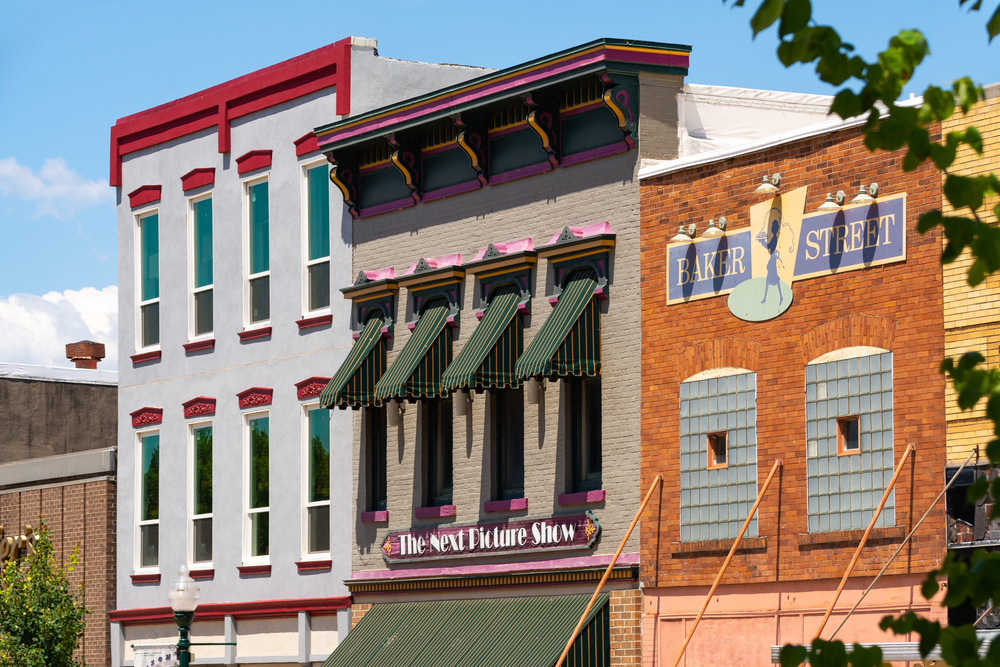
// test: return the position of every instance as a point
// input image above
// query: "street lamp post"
(184, 594)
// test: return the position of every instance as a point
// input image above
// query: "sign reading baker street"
(491, 539)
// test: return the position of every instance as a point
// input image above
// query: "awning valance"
(487, 359)
(417, 371)
(569, 343)
(354, 384)
(524, 631)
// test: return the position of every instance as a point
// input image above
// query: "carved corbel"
(623, 105)
(472, 139)
(405, 156)
(344, 170)
(543, 118)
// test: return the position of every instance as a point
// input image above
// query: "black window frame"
(508, 443)
(376, 486)
(438, 452)
(585, 433)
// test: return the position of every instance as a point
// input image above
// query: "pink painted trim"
(540, 168)
(197, 407)
(253, 160)
(511, 505)
(146, 356)
(310, 387)
(319, 320)
(313, 565)
(583, 109)
(198, 178)
(582, 498)
(250, 334)
(510, 129)
(451, 190)
(584, 232)
(218, 610)
(439, 149)
(506, 248)
(434, 512)
(386, 207)
(375, 517)
(594, 153)
(145, 578)
(144, 194)
(253, 569)
(146, 416)
(207, 344)
(306, 144)
(580, 562)
(381, 274)
(202, 574)
(255, 396)
(436, 263)
(666, 59)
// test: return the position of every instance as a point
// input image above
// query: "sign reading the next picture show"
(757, 266)
(492, 539)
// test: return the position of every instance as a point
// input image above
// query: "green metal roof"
(569, 343)
(507, 632)
(417, 370)
(354, 383)
(488, 359)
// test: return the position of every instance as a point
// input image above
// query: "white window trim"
(139, 217)
(247, 528)
(306, 555)
(306, 262)
(200, 565)
(192, 290)
(137, 522)
(247, 276)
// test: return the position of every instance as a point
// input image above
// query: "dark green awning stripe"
(354, 383)
(417, 371)
(580, 352)
(539, 357)
(487, 359)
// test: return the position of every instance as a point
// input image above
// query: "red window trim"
(310, 387)
(306, 144)
(144, 194)
(239, 610)
(198, 178)
(199, 407)
(253, 160)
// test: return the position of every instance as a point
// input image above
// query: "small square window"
(717, 450)
(848, 435)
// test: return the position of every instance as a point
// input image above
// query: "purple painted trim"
(594, 153)
(468, 186)
(666, 59)
(581, 498)
(539, 168)
(375, 167)
(511, 505)
(439, 149)
(375, 517)
(386, 207)
(579, 562)
(434, 512)
(510, 129)
(586, 107)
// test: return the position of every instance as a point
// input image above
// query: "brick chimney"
(85, 354)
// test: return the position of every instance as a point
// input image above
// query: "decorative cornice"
(250, 334)
(306, 144)
(198, 407)
(253, 160)
(198, 345)
(238, 610)
(138, 579)
(255, 396)
(310, 322)
(202, 574)
(144, 194)
(313, 565)
(146, 416)
(143, 357)
(310, 387)
(198, 178)
(254, 570)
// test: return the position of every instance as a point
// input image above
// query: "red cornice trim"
(253, 569)
(307, 143)
(200, 406)
(250, 334)
(253, 160)
(319, 320)
(206, 344)
(218, 106)
(313, 565)
(202, 574)
(146, 416)
(146, 356)
(239, 610)
(310, 387)
(198, 178)
(145, 578)
(144, 194)
(255, 396)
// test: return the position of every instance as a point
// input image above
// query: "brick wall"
(358, 612)
(658, 138)
(626, 627)
(897, 306)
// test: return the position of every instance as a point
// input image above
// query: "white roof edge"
(826, 127)
(57, 374)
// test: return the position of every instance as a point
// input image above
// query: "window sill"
(250, 334)
(143, 357)
(381, 516)
(246, 570)
(891, 534)
(198, 345)
(582, 498)
(434, 512)
(313, 565)
(317, 321)
(145, 578)
(679, 549)
(511, 505)
(206, 573)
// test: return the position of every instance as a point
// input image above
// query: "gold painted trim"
(587, 249)
(618, 574)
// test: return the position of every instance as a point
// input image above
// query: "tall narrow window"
(149, 500)
(318, 479)
(203, 279)
(318, 243)
(508, 441)
(201, 513)
(438, 449)
(258, 486)
(585, 433)
(259, 265)
(149, 280)
(376, 482)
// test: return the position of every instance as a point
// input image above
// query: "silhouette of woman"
(769, 239)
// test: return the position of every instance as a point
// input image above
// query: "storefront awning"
(569, 343)
(417, 371)
(487, 360)
(354, 384)
(527, 632)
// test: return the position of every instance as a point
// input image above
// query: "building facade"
(228, 248)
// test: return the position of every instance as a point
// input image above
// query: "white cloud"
(35, 329)
(58, 190)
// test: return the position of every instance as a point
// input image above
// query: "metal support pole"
(732, 552)
(183, 619)
(607, 573)
(864, 539)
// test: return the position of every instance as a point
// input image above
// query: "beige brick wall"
(658, 138)
(626, 627)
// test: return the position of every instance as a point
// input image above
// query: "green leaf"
(795, 16)
(929, 221)
(993, 25)
(792, 655)
(963, 191)
(977, 490)
(768, 12)
(929, 588)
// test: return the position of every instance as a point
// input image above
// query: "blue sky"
(69, 70)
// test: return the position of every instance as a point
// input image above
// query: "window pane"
(319, 285)
(149, 257)
(593, 429)
(203, 243)
(375, 433)
(203, 470)
(259, 240)
(202, 540)
(149, 547)
(260, 299)
(203, 312)
(510, 444)
(319, 529)
(151, 324)
(439, 447)
(259, 463)
(319, 212)
(319, 455)
(259, 534)
(150, 494)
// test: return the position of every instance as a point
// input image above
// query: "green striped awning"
(569, 343)
(487, 360)
(354, 384)
(417, 371)
(524, 631)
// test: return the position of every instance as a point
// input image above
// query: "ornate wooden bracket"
(344, 173)
(472, 139)
(623, 105)
(543, 118)
(405, 157)
(199, 407)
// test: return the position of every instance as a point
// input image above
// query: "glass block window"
(715, 499)
(847, 480)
